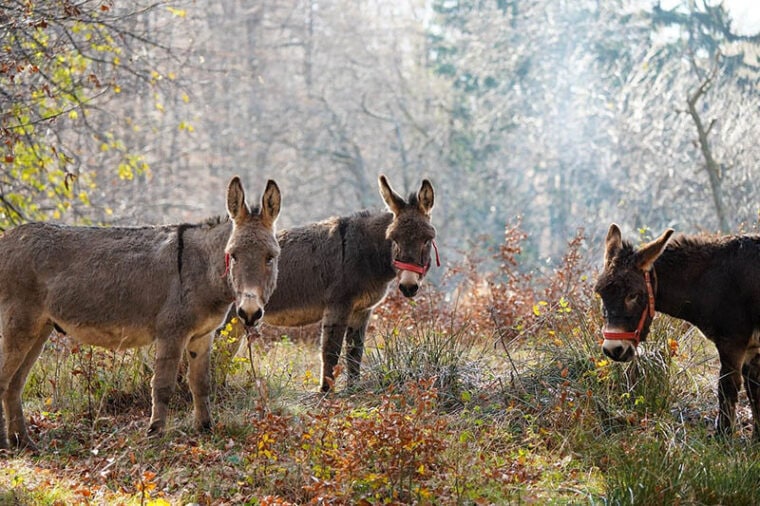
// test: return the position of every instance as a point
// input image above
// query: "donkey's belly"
(115, 338)
(293, 317)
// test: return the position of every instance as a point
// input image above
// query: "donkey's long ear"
(270, 204)
(236, 207)
(612, 244)
(393, 200)
(647, 254)
(426, 197)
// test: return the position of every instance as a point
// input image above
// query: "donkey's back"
(106, 286)
(343, 263)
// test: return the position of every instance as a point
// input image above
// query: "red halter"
(419, 269)
(226, 265)
(635, 336)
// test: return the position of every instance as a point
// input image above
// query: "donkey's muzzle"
(409, 290)
(409, 282)
(249, 319)
(619, 351)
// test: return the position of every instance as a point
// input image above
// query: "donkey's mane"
(702, 248)
(208, 223)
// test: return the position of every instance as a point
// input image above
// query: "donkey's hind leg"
(17, 357)
(168, 355)
(334, 322)
(357, 329)
(199, 378)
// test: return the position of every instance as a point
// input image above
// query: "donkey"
(336, 271)
(127, 287)
(713, 283)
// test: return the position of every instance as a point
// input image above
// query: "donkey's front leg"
(729, 384)
(357, 329)
(199, 378)
(168, 355)
(334, 322)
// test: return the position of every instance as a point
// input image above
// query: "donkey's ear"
(393, 200)
(648, 253)
(612, 244)
(426, 197)
(270, 204)
(236, 207)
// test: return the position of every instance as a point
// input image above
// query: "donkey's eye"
(631, 299)
(270, 260)
(233, 257)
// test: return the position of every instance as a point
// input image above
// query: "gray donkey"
(336, 271)
(127, 287)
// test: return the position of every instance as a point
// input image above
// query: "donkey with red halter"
(712, 283)
(336, 271)
(127, 287)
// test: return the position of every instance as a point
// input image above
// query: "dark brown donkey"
(711, 283)
(336, 271)
(127, 287)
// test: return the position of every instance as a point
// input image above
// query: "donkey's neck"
(201, 256)
(380, 247)
(680, 272)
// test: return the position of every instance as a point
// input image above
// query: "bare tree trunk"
(712, 167)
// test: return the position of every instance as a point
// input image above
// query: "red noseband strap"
(635, 336)
(419, 269)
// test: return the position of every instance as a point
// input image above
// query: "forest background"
(563, 115)
(539, 122)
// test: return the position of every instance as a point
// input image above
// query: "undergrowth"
(487, 389)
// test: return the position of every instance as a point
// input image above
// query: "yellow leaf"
(180, 13)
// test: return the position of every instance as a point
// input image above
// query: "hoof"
(204, 427)
(155, 430)
(24, 444)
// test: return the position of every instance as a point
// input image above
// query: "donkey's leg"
(751, 373)
(168, 356)
(12, 381)
(729, 383)
(199, 378)
(334, 322)
(357, 329)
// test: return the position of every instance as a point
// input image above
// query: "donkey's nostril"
(250, 319)
(610, 353)
(618, 353)
(409, 290)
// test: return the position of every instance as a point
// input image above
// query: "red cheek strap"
(226, 265)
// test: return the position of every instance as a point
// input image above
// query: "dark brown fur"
(128, 287)
(713, 283)
(336, 271)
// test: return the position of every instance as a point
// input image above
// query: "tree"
(60, 65)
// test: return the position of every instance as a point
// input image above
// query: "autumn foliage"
(487, 388)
